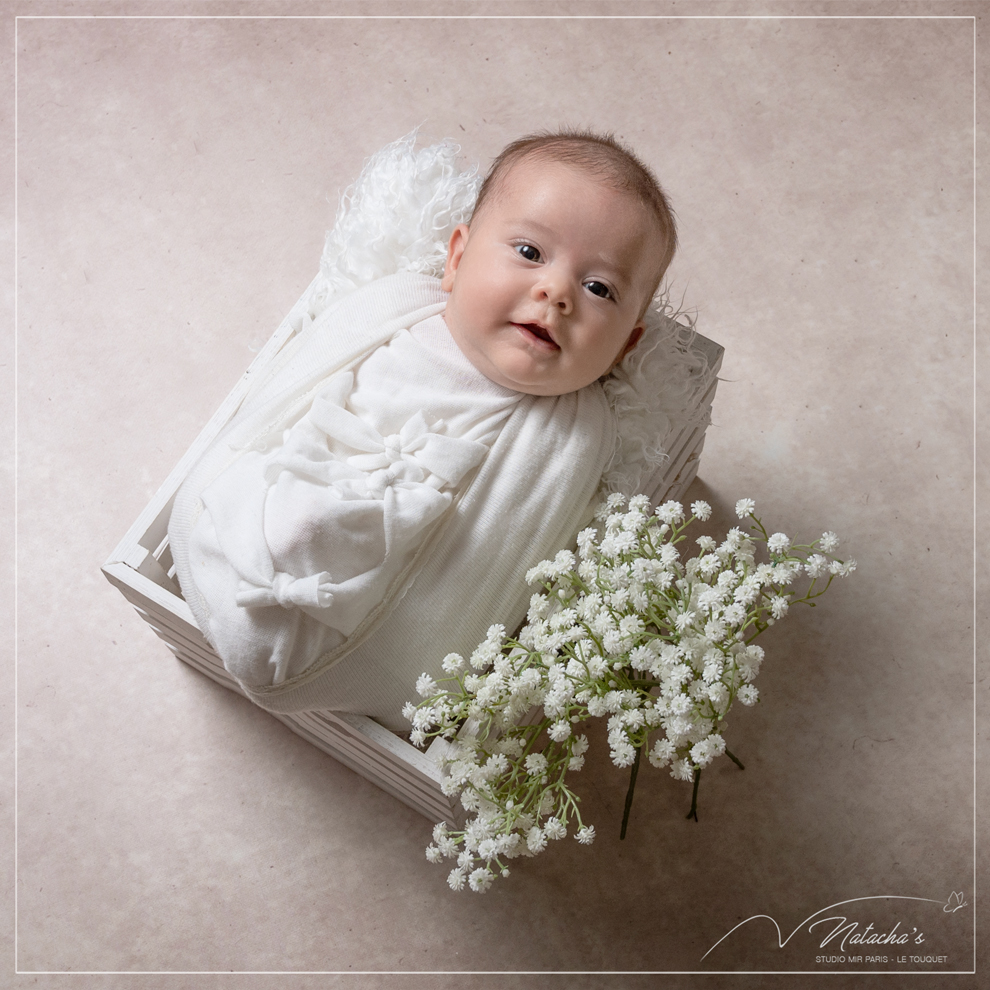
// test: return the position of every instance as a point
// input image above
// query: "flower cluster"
(624, 629)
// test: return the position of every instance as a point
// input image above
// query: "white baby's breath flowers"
(745, 507)
(828, 542)
(627, 629)
(778, 543)
(701, 510)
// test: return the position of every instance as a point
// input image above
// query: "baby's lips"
(540, 332)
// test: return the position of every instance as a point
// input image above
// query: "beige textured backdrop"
(174, 182)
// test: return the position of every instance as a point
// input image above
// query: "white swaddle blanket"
(372, 459)
(269, 514)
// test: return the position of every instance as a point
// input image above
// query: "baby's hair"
(603, 157)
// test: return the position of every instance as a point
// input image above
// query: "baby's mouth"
(540, 333)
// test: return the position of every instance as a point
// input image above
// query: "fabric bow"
(409, 455)
(285, 590)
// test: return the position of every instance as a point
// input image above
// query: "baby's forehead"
(508, 199)
(541, 163)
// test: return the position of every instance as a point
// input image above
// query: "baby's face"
(548, 284)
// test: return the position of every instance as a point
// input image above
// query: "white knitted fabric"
(270, 611)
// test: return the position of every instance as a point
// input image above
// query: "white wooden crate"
(141, 567)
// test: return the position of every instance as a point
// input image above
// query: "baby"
(378, 500)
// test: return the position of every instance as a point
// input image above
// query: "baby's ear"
(455, 250)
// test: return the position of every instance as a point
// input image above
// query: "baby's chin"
(529, 384)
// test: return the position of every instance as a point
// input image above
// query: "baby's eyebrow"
(617, 270)
(530, 223)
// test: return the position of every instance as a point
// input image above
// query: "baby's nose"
(555, 291)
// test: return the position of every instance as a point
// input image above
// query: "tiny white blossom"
(559, 731)
(587, 570)
(701, 509)
(745, 507)
(641, 658)
(538, 573)
(597, 707)
(631, 625)
(662, 753)
(455, 879)
(536, 841)
(480, 880)
(586, 542)
(495, 634)
(536, 764)
(786, 571)
(586, 835)
(828, 542)
(734, 615)
(433, 854)
(612, 641)
(778, 606)
(748, 694)
(425, 686)
(623, 542)
(487, 848)
(554, 828)
(779, 543)
(614, 522)
(453, 662)
(496, 765)
(623, 754)
(718, 694)
(670, 512)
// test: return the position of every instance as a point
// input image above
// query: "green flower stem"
(693, 813)
(734, 758)
(629, 793)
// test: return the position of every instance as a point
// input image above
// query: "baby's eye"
(529, 252)
(598, 289)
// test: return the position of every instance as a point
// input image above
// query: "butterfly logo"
(954, 903)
